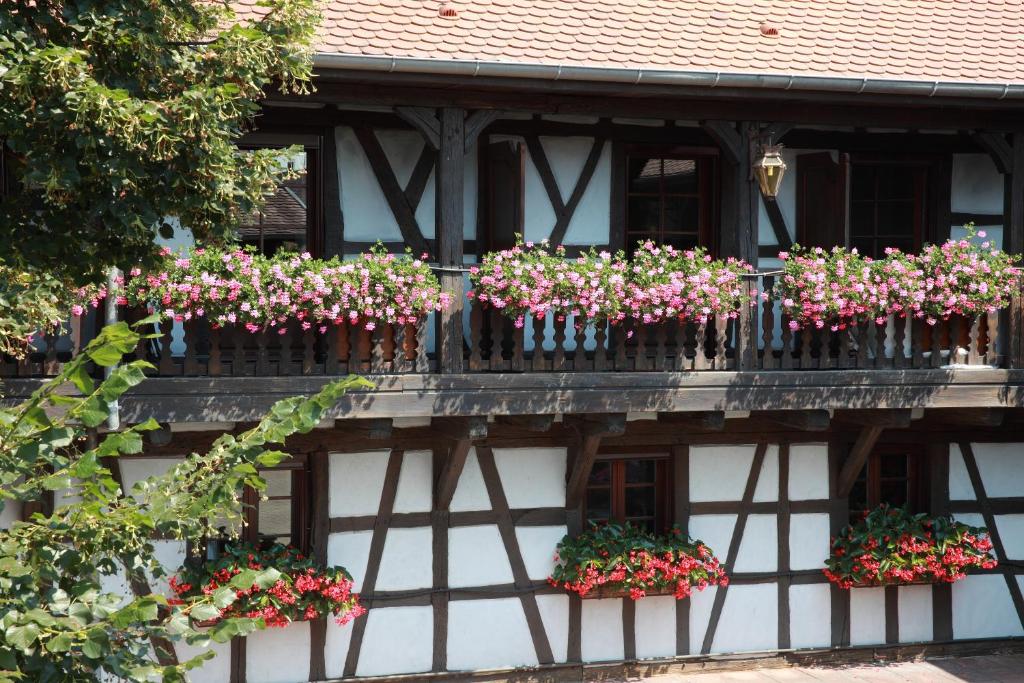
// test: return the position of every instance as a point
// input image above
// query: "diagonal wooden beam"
(405, 215)
(547, 176)
(476, 123)
(465, 432)
(858, 456)
(591, 430)
(728, 138)
(423, 119)
(420, 175)
(997, 147)
(565, 216)
(778, 222)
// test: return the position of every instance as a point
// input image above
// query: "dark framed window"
(895, 474)
(292, 217)
(670, 197)
(630, 489)
(285, 516)
(887, 206)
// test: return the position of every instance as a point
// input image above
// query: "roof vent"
(769, 31)
(447, 11)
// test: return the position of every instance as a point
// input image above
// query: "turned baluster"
(422, 360)
(937, 330)
(518, 339)
(600, 351)
(768, 325)
(558, 362)
(213, 364)
(308, 351)
(476, 327)
(899, 355)
(497, 340)
(992, 350)
(166, 366)
(641, 346)
(579, 356)
(284, 362)
(786, 357)
(538, 362)
(700, 355)
(721, 336)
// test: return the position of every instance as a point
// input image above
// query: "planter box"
(610, 592)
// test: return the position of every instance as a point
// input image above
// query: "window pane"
(279, 482)
(859, 496)
(894, 493)
(644, 175)
(601, 473)
(640, 501)
(640, 471)
(865, 246)
(644, 214)
(682, 214)
(645, 524)
(681, 176)
(896, 182)
(893, 466)
(599, 504)
(281, 224)
(862, 218)
(862, 184)
(275, 517)
(896, 218)
(680, 241)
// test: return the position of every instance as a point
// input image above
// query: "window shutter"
(505, 197)
(821, 200)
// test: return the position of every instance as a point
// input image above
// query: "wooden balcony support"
(866, 440)
(463, 432)
(591, 429)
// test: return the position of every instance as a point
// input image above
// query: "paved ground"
(985, 669)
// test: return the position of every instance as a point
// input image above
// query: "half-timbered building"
(450, 127)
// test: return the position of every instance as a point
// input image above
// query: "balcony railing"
(758, 340)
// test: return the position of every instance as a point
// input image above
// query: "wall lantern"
(769, 169)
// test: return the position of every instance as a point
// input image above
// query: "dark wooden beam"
(1013, 241)
(532, 423)
(979, 219)
(419, 177)
(591, 430)
(458, 428)
(371, 428)
(728, 139)
(476, 123)
(334, 218)
(968, 417)
(890, 418)
(862, 447)
(803, 420)
(464, 432)
(997, 147)
(423, 119)
(708, 420)
(448, 226)
(564, 217)
(778, 222)
(547, 176)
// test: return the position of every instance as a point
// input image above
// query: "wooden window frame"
(302, 507)
(918, 475)
(924, 166)
(663, 484)
(709, 189)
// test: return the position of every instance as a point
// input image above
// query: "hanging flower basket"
(892, 547)
(302, 592)
(613, 561)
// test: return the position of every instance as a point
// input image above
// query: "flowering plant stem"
(632, 560)
(891, 546)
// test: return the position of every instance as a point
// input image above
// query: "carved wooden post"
(448, 221)
(1013, 241)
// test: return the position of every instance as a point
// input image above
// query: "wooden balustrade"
(760, 339)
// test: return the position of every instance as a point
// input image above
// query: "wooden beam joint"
(857, 458)
(464, 432)
(591, 429)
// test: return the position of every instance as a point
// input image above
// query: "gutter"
(706, 79)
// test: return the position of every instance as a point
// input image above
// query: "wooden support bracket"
(728, 138)
(862, 447)
(997, 147)
(464, 432)
(475, 124)
(371, 428)
(708, 420)
(804, 420)
(890, 418)
(968, 417)
(532, 423)
(423, 119)
(591, 430)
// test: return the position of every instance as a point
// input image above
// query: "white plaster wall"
(960, 487)
(357, 480)
(477, 557)
(397, 640)
(655, 627)
(701, 603)
(351, 550)
(808, 540)
(407, 560)
(977, 188)
(1011, 533)
(719, 472)
(414, 492)
(808, 471)
(215, 670)
(1001, 466)
(488, 634)
(715, 531)
(267, 650)
(566, 156)
(749, 619)
(602, 630)
(915, 613)
(470, 492)
(554, 612)
(532, 477)
(867, 616)
(134, 470)
(537, 545)
(810, 615)
(10, 514)
(759, 549)
(767, 489)
(982, 608)
(336, 647)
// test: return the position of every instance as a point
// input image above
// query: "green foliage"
(58, 620)
(120, 114)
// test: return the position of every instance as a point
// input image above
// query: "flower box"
(613, 561)
(892, 547)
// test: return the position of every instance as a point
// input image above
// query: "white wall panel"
(715, 531)
(566, 156)
(532, 477)
(759, 549)
(554, 612)
(266, 652)
(407, 560)
(537, 545)
(134, 470)
(977, 188)
(367, 215)
(719, 472)
(1011, 533)
(655, 627)
(701, 603)
(959, 481)
(488, 634)
(336, 647)
(470, 492)
(1002, 468)
(915, 613)
(351, 550)
(477, 557)
(808, 540)
(982, 608)
(10, 514)
(590, 223)
(810, 615)
(808, 471)
(215, 670)
(767, 489)
(867, 616)
(357, 480)
(398, 640)
(749, 619)
(414, 482)
(602, 630)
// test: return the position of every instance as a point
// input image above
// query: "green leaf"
(79, 376)
(267, 578)
(223, 596)
(59, 643)
(22, 637)
(205, 612)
